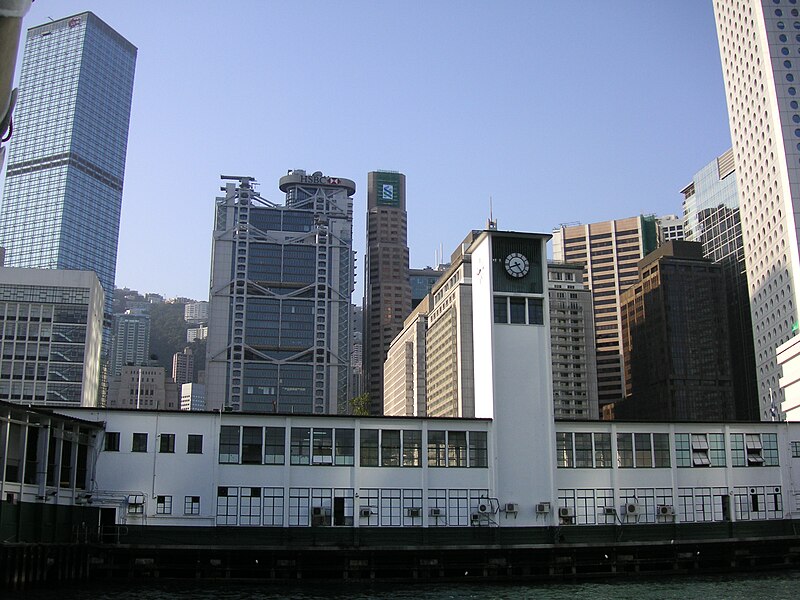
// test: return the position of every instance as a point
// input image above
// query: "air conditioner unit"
(632, 508)
(666, 510)
(414, 512)
(365, 513)
(566, 512)
(475, 517)
(543, 508)
(437, 512)
(318, 511)
(609, 511)
(484, 508)
(511, 507)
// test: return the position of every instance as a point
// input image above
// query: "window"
(252, 443)
(300, 450)
(795, 448)
(191, 505)
(194, 444)
(163, 505)
(716, 449)
(661, 450)
(644, 450)
(390, 448)
(624, 450)
(437, 450)
(583, 450)
(274, 445)
(322, 447)
(700, 456)
(111, 441)
(602, 450)
(754, 450)
(457, 448)
(250, 506)
(166, 443)
(478, 449)
(345, 447)
(412, 448)
(369, 448)
(139, 442)
(229, 444)
(519, 310)
(682, 454)
(564, 450)
(227, 505)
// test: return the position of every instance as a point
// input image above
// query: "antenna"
(491, 223)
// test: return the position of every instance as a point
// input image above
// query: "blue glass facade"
(279, 318)
(711, 217)
(63, 190)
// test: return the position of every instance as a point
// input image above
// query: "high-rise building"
(572, 343)
(675, 339)
(712, 217)
(183, 366)
(279, 336)
(193, 396)
(669, 227)
(449, 341)
(52, 331)
(422, 282)
(196, 312)
(387, 294)
(130, 343)
(610, 251)
(761, 70)
(67, 156)
(405, 367)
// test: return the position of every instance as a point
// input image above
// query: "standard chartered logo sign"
(388, 192)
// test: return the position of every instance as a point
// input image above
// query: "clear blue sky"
(560, 111)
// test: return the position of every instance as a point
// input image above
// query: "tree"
(359, 406)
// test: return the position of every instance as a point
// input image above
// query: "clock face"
(517, 265)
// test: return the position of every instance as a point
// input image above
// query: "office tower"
(183, 366)
(675, 339)
(193, 396)
(130, 341)
(449, 350)
(281, 283)
(357, 350)
(67, 156)
(143, 388)
(669, 227)
(610, 251)
(387, 295)
(761, 69)
(572, 343)
(422, 282)
(712, 217)
(52, 329)
(404, 372)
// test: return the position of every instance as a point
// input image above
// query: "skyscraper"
(712, 217)
(387, 293)
(572, 343)
(610, 251)
(675, 339)
(183, 366)
(131, 341)
(63, 189)
(759, 47)
(279, 334)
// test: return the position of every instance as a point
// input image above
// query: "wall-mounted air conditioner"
(666, 510)
(632, 508)
(566, 512)
(484, 508)
(511, 507)
(414, 512)
(437, 512)
(543, 508)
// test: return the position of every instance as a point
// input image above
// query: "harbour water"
(774, 586)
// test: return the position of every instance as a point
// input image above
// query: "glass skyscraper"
(63, 190)
(712, 217)
(279, 331)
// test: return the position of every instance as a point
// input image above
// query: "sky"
(560, 112)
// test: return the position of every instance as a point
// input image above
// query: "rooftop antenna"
(491, 223)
